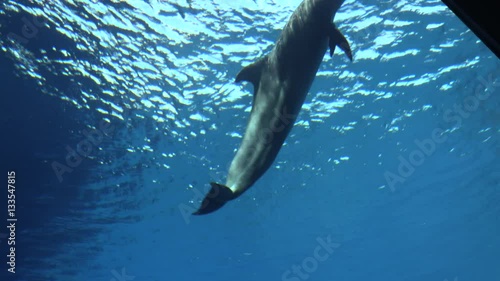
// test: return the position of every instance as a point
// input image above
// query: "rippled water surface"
(394, 157)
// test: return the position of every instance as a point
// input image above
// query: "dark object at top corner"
(481, 16)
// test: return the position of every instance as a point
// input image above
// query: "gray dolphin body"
(281, 82)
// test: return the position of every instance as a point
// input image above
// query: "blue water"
(394, 160)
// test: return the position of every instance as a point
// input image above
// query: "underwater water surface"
(392, 170)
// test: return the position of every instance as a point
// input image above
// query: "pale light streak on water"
(164, 72)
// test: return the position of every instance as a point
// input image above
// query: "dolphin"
(281, 81)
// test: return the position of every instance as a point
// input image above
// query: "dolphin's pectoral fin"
(215, 199)
(251, 73)
(338, 39)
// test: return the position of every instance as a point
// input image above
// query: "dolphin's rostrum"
(281, 81)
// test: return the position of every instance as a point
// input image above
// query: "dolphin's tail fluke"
(216, 198)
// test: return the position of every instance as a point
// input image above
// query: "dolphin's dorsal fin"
(251, 73)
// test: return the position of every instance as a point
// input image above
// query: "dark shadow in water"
(36, 128)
